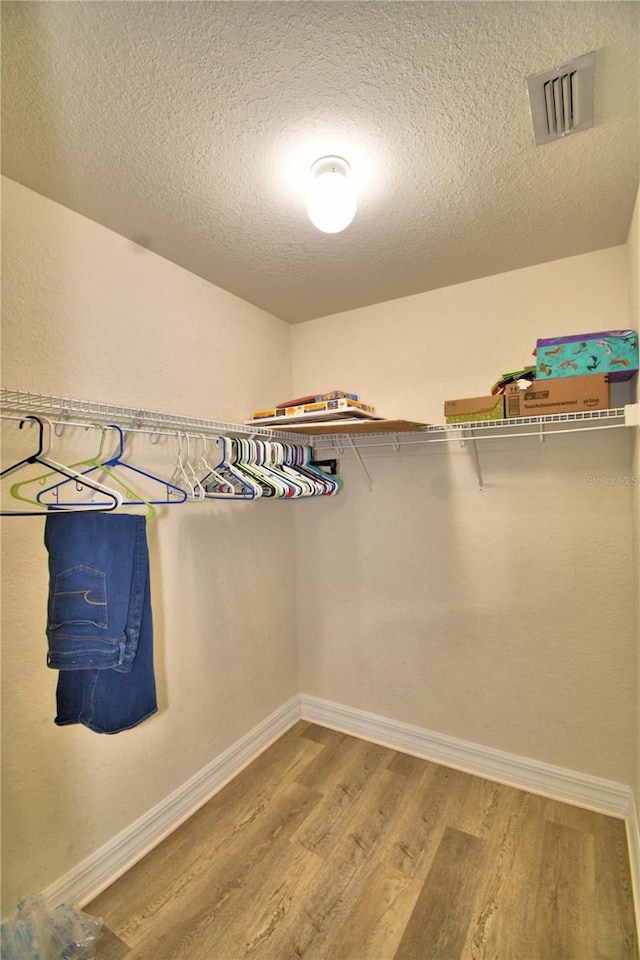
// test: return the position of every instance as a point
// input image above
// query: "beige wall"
(633, 248)
(407, 356)
(506, 617)
(89, 315)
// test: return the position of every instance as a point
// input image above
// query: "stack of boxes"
(316, 408)
(589, 371)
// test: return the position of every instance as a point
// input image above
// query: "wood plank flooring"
(330, 848)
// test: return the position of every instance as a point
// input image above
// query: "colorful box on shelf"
(614, 352)
(320, 410)
(340, 405)
(313, 398)
(560, 395)
(468, 409)
(281, 409)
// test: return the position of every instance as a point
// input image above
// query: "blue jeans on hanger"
(99, 624)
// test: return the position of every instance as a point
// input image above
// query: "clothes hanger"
(321, 484)
(179, 475)
(292, 456)
(191, 472)
(330, 475)
(274, 458)
(318, 486)
(41, 456)
(52, 494)
(303, 454)
(16, 488)
(240, 459)
(172, 493)
(247, 460)
(284, 455)
(133, 496)
(212, 482)
(245, 487)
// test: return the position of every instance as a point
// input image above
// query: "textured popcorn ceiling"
(190, 128)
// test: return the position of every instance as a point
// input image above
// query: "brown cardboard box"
(469, 409)
(560, 395)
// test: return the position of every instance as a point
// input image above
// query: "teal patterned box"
(614, 352)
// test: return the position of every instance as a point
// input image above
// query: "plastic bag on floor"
(42, 932)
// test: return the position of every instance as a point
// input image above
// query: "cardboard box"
(613, 351)
(468, 409)
(561, 395)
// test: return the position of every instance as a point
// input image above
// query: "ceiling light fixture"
(331, 201)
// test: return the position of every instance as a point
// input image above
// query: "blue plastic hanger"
(173, 493)
(244, 486)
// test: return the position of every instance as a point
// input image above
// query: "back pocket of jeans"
(79, 595)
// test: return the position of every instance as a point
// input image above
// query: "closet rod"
(83, 412)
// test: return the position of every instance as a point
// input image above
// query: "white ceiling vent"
(561, 99)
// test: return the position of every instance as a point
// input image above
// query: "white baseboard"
(604, 796)
(98, 871)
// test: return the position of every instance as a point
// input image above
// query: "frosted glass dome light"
(331, 201)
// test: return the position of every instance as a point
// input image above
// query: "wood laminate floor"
(330, 848)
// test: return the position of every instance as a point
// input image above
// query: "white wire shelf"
(66, 410)
(542, 426)
(468, 434)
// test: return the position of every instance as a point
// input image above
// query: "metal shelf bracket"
(475, 456)
(632, 415)
(361, 462)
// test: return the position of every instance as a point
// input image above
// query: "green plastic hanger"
(90, 463)
(42, 457)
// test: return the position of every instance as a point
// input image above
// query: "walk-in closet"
(369, 689)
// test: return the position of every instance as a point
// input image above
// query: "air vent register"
(561, 99)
